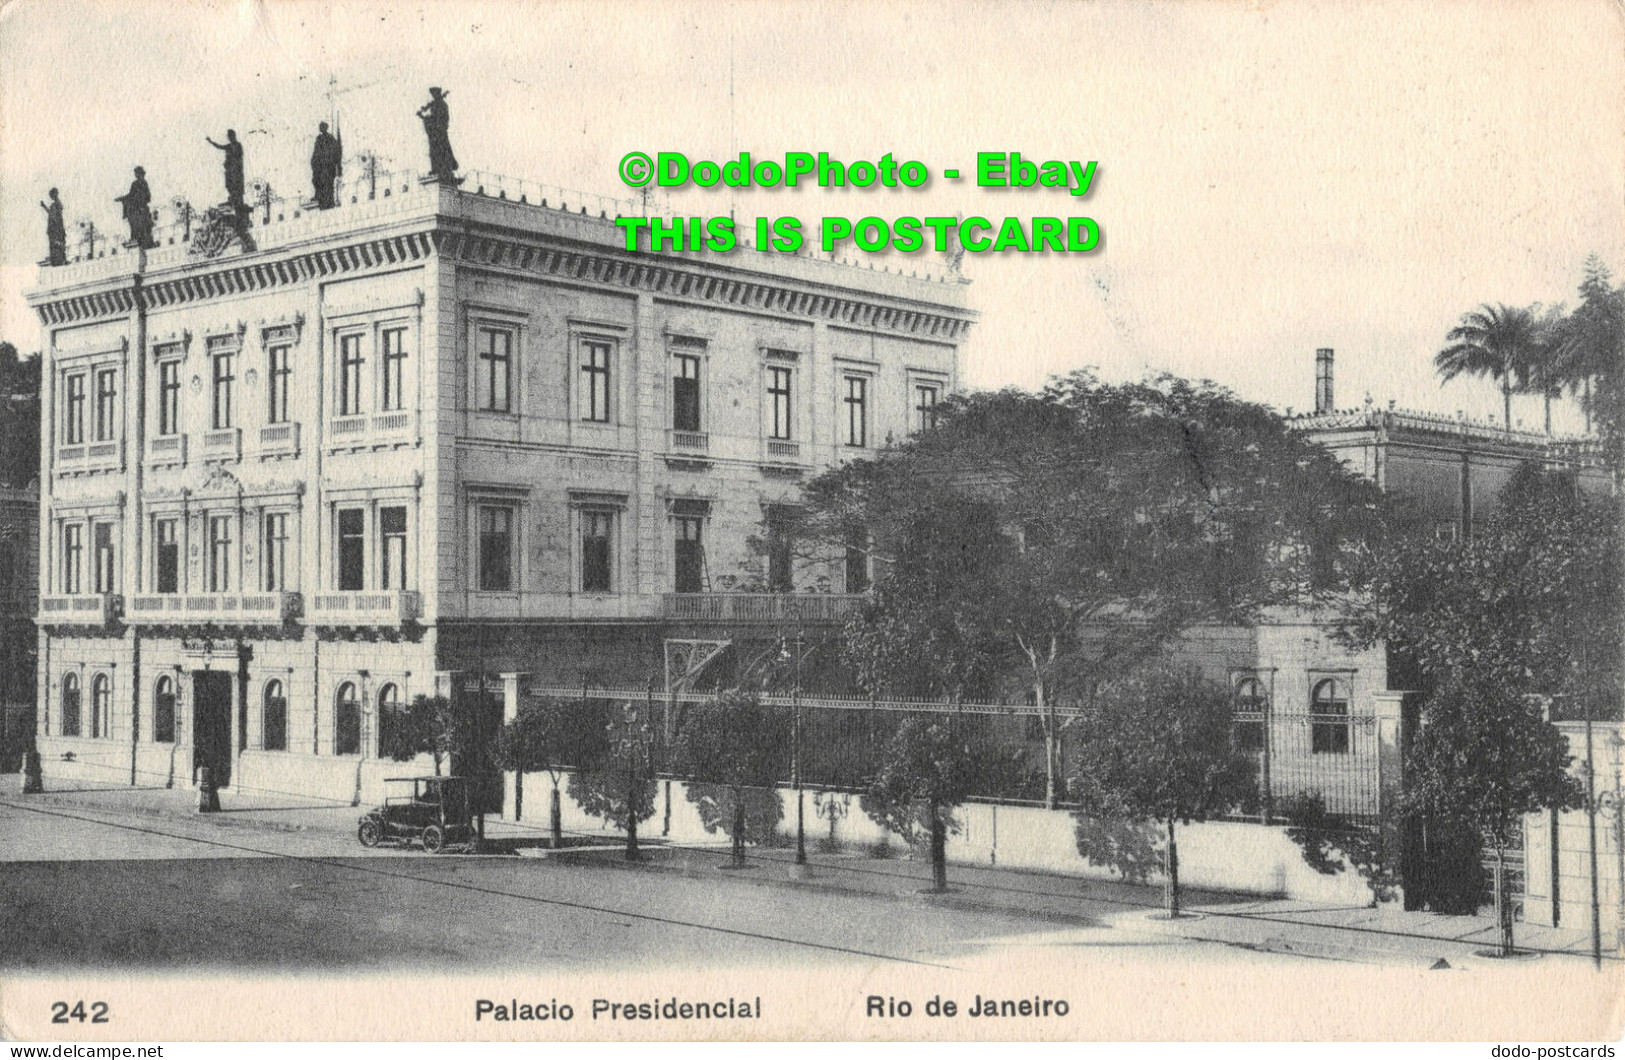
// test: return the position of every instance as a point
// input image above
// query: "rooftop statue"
(234, 167)
(137, 204)
(326, 162)
(436, 120)
(56, 233)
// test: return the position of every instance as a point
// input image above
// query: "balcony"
(223, 444)
(217, 609)
(359, 609)
(373, 430)
(84, 609)
(688, 442)
(166, 449)
(279, 439)
(761, 607)
(88, 456)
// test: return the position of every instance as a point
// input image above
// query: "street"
(88, 888)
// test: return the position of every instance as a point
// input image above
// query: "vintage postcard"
(548, 521)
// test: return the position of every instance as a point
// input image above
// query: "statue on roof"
(137, 205)
(436, 122)
(326, 162)
(56, 233)
(234, 168)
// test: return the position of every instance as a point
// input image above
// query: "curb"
(48, 799)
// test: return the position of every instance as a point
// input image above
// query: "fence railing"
(1329, 757)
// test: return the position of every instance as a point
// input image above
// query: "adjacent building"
(431, 437)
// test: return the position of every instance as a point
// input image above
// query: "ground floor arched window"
(1329, 708)
(347, 721)
(70, 704)
(101, 707)
(274, 716)
(163, 710)
(391, 720)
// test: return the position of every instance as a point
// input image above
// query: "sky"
(1271, 177)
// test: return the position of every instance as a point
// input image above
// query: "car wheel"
(433, 839)
(369, 833)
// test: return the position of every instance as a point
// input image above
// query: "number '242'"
(61, 1013)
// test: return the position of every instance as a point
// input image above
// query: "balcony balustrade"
(216, 609)
(761, 607)
(379, 608)
(89, 456)
(223, 444)
(377, 429)
(166, 449)
(279, 439)
(83, 609)
(688, 442)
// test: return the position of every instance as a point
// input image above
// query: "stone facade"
(429, 433)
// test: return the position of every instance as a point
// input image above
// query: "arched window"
(101, 707)
(1251, 703)
(274, 717)
(390, 719)
(347, 721)
(163, 710)
(70, 704)
(1329, 722)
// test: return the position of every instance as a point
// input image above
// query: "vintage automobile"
(433, 810)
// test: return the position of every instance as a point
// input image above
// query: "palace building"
(432, 436)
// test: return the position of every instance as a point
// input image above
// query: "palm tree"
(1542, 367)
(1497, 341)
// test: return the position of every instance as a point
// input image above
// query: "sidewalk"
(1386, 934)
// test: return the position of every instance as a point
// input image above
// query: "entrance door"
(211, 724)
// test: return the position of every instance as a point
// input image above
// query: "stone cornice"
(518, 252)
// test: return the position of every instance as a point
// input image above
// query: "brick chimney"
(1323, 380)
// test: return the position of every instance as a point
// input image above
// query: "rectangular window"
(73, 421)
(102, 542)
(496, 549)
(275, 552)
(857, 562)
(278, 374)
(685, 394)
(595, 382)
(778, 395)
(106, 405)
(73, 557)
(169, 556)
(494, 378)
(225, 375)
(220, 554)
(857, 411)
(351, 363)
(352, 549)
(925, 407)
(596, 531)
(780, 541)
(690, 557)
(394, 396)
(169, 397)
(392, 529)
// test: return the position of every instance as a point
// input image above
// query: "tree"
(1498, 341)
(926, 770)
(430, 725)
(615, 784)
(736, 743)
(1532, 600)
(19, 416)
(1484, 758)
(1156, 746)
(1589, 348)
(1046, 542)
(551, 734)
